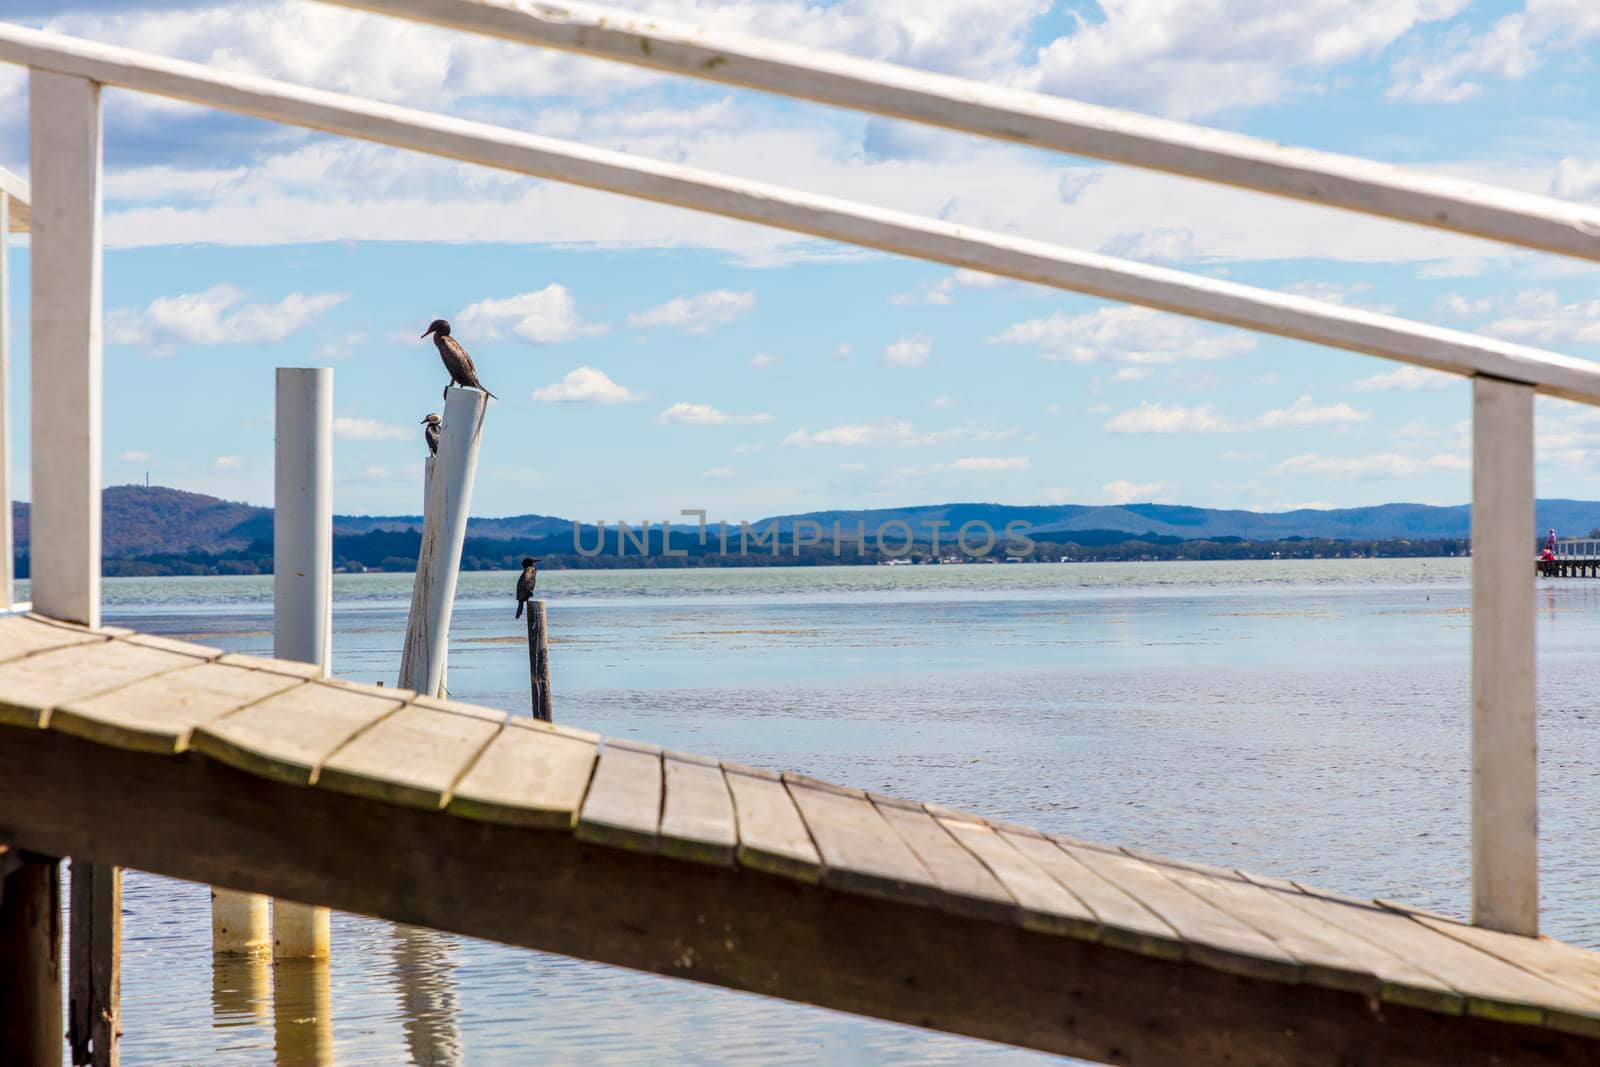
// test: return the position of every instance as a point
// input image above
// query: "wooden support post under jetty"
(444, 530)
(30, 958)
(1505, 841)
(95, 956)
(539, 659)
(302, 579)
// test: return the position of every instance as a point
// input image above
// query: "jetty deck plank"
(697, 819)
(623, 807)
(159, 714)
(287, 736)
(772, 835)
(779, 884)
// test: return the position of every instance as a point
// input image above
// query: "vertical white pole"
(444, 529)
(302, 578)
(64, 139)
(6, 572)
(1505, 843)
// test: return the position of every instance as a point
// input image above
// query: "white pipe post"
(444, 530)
(7, 572)
(302, 579)
(64, 139)
(1505, 841)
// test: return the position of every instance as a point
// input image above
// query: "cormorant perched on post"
(431, 434)
(456, 360)
(530, 575)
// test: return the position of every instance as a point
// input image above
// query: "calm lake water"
(1304, 719)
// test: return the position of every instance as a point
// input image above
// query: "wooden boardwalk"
(133, 750)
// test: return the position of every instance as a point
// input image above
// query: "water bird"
(455, 358)
(431, 432)
(530, 575)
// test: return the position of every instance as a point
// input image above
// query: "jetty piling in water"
(444, 531)
(302, 580)
(539, 659)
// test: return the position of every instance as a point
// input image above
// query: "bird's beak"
(421, 421)
(424, 333)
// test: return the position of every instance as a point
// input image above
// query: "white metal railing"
(1577, 548)
(65, 136)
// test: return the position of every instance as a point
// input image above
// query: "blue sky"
(649, 359)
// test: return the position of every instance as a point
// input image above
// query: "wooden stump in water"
(539, 660)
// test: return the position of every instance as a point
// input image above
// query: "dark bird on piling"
(431, 432)
(456, 360)
(530, 575)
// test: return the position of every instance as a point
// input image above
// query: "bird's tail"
(519, 610)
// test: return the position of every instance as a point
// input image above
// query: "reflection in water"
(424, 961)
(241, 992)
(302, 1013)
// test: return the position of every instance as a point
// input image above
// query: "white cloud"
(761, 360)
(350, 428)
(1132, 374)
(908, 352)
(545, 317)
(852, 466)
(227, 463)
(986, 464)
(718, 473)
(697, 314)
(943, 290)
(1175, 418)
(1378, 466)
(342, 347)
(585, 385)
(843, 351)
(1188, 58)
(1404, 379)
(1304, 413)
(1125, 492)
(1463, 307)
(217, 316)
(945, 401)
(1512, 47)
(1576, 180)
(135, 457)
(1539, 315)
(898, 432)
(1124, 335)
(706, 415)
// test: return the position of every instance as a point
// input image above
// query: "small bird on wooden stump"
(430, 432)
(530, 575)
(455, 358)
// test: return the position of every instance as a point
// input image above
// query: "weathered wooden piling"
(302, 579)
(30, 957)
(444, 531)
(95, 963)
(539, 659)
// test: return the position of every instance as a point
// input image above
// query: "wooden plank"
(623, 806)
(167, 644)
(531, 775)
(414, 756)
(1011, 114)
(23, 636)
(1211, 937)
(697, 819)
(1328, 955)
(1124, 922)
(1505, 764)
(1574, 969)
(1493, 989)
(722, 926)
(272, 666)
(860, 851)
(968, 884)
(772, 836)
(31, 687)
(1044, 904)
(158, 714)
(65, 380)
(936, 240)
(288, 735)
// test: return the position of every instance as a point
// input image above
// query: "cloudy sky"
(649, 359)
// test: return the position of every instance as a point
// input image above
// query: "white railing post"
(1505, 847)
(302, 579)
(7, 590)
(64, 139)
(444, 530)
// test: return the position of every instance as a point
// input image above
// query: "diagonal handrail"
(1192, 295)
(1030, 118)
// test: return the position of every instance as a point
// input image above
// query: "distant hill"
(155, 529)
